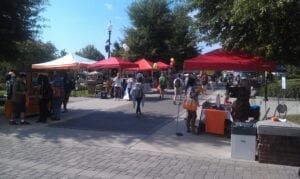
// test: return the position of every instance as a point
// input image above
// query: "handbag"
(190, 104)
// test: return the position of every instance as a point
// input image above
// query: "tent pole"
(266, 90)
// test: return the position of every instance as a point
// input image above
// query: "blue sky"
(74, 24)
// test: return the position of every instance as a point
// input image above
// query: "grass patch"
(294, 118)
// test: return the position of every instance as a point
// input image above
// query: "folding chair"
(281, 111)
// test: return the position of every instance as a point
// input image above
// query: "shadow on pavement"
(116, 121)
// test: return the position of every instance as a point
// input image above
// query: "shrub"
(274, 89)
(2, 86)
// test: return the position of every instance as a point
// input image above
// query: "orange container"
(214, 121)
(8, 109)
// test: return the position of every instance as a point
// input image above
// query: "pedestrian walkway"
(40, 151)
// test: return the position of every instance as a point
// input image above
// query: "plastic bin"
(243, 141)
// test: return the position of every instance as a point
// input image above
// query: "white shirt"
(117, 82)
(130, 82)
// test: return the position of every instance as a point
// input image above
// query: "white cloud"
(109, 6)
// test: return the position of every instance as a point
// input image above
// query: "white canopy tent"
(69, 61)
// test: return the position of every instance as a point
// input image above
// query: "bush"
(2, 86)
(274, 89)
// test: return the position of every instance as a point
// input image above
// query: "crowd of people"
(53, 95)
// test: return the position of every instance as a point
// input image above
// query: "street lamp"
(107, 46)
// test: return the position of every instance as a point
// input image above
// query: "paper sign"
(283, 83)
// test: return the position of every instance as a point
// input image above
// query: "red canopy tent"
(220, 59)
(162, 66)
(112, 62)
(143, 65)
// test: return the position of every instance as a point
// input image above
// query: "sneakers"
(24, 123)
(13, 123)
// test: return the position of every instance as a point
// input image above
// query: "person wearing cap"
(19, 100)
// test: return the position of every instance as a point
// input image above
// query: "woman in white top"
(117, 86)
(130, 82)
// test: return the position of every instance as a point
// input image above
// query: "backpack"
(56, 92)
(138, 91)
(177, 83)
(162, 81)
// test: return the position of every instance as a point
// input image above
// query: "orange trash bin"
(214, 121)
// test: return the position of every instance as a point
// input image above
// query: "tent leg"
(266, 90)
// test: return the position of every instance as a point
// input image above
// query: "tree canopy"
(269, 28)
(160, 30)
(19, 21)
(90, 52)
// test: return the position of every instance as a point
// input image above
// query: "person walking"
(178, 85)
(162, 85)
(138, 94)
(19, 100)
(130, 82)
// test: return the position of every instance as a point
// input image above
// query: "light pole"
(109, 29)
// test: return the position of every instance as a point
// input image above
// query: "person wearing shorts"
(19, 100)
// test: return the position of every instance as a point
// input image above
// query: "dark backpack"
(138, 91)
(177, 83)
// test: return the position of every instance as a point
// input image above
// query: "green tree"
(19, 21)
(34, 52)
(269, 28)
(117, 50)
(90, 52)
(62, 53)
(160, 30)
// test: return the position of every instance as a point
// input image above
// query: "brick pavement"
(38, 151)
(26, 158)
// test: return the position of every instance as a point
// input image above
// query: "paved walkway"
(40, 151)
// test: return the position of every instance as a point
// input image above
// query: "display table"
(32, 107)
(278, 142)
(220, 125)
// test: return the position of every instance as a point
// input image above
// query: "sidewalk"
(40, 151)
